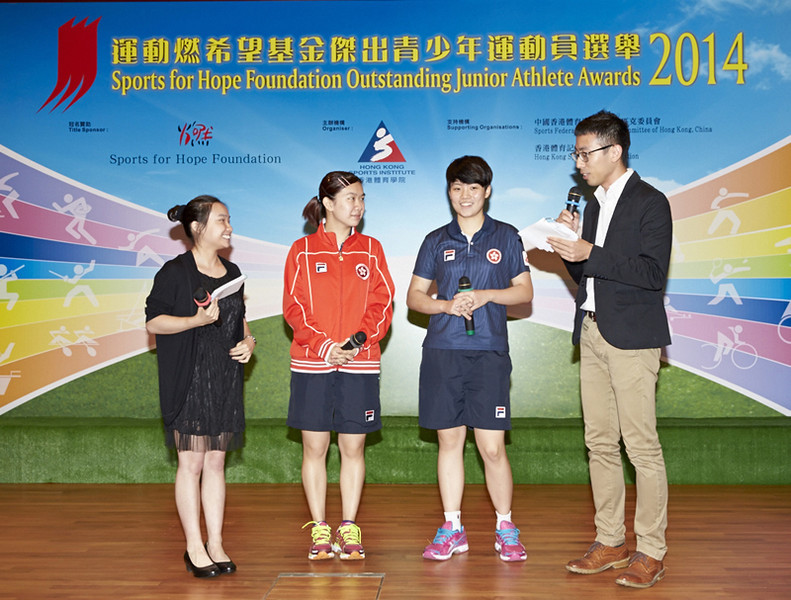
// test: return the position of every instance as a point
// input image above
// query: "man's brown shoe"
(643, 572)
(599, 558)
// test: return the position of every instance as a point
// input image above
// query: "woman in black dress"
(201, 351)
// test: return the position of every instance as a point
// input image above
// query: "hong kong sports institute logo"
(382, 147)
(76, 62)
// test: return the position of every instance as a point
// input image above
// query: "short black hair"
(469, 169)
(609, 128)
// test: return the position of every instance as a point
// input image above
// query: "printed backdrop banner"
(114, 112)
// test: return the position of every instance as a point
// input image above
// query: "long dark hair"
(332, 183)
(198, 209)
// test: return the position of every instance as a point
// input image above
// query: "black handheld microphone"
(203, 299)
(356, 341)
(465, 285)
(573, 200)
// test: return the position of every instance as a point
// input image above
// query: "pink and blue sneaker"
(446, 543)
(507, 543)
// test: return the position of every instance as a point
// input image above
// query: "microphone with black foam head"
(573, 200)
(356, 341)
(465, 285)
(203, 299)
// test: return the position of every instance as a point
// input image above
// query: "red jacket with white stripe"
(329, 295)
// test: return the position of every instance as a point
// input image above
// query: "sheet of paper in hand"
(535, 235)
(229, 288)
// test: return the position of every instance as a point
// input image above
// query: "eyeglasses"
(584, 155)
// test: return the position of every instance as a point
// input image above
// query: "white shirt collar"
(615, 190)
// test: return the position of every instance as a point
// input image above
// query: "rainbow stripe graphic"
(76, 266)
(729, 294)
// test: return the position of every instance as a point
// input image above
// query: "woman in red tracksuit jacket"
(336, 285)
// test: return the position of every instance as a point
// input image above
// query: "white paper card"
(229, 288)
(535, 235)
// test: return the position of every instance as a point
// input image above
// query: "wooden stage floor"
(125, 541)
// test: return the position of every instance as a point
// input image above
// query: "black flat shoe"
(225, 567)
(211, 570)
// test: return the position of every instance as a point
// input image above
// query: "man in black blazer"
(620, 263)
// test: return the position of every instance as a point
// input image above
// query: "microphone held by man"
(576, 249)
(573, 200)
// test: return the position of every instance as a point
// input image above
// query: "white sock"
(455, 519)
(501, 518)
